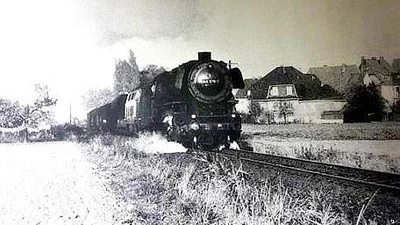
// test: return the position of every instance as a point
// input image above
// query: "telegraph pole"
(70, 113)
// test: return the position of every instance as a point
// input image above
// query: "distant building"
(386, 77)
(286, 95)
(341, 78)
(279, 103)
(396, 65)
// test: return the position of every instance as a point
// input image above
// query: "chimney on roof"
(204, 56)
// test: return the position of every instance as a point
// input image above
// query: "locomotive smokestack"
(203, 56)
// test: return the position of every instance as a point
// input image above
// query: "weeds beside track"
(386, 181)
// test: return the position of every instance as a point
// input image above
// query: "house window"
(274, 91)
(289, 90)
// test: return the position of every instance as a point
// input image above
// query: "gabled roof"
(376, 66)
(308, 86)
(339, 77)
(380, 68)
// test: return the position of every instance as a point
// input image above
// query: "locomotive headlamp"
(193, 116)
(194, 126)
(233, 115)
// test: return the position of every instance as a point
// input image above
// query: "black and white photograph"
(125, 112)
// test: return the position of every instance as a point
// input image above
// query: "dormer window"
(274, 91)
(289, 90)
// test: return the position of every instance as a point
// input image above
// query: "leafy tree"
(149, 72)
(96, 98)
(35, 115)
(395, 108)
(11, 114)
(284, 110)
(126, 75)
(364, 104)
(41, 111)
(254, 110)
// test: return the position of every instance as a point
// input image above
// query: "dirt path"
(52, 183)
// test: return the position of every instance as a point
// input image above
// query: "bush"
(364, 104)
(68, 131)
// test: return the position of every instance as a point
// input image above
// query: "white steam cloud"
(112, 21)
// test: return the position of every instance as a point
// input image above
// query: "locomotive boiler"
(192, 104)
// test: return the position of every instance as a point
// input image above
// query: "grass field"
(371, 146)
(178, 188)
(346, 131)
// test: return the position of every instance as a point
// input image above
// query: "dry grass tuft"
(185, 189)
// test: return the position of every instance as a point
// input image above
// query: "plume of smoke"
(113, 21)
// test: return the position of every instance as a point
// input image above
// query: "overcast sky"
(71, 45)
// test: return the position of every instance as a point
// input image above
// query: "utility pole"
(70, 113)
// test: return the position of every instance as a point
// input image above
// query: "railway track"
(382, 180)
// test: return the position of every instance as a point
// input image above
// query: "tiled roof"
(378, 67)
(338, 77)
(308, 86)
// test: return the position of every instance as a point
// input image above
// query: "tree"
(364, 104)
(126, 75)
(15, 118)
(96, 98)
(395, 108)
(41, 111)
(255, 111)
(11, 114)
(284, 110)
(149, 72)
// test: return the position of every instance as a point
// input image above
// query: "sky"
(72, 45)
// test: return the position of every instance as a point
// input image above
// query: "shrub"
(364, 104)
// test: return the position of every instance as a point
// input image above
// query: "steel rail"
(389, 181)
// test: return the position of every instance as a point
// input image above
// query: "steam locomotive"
(192, 104)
